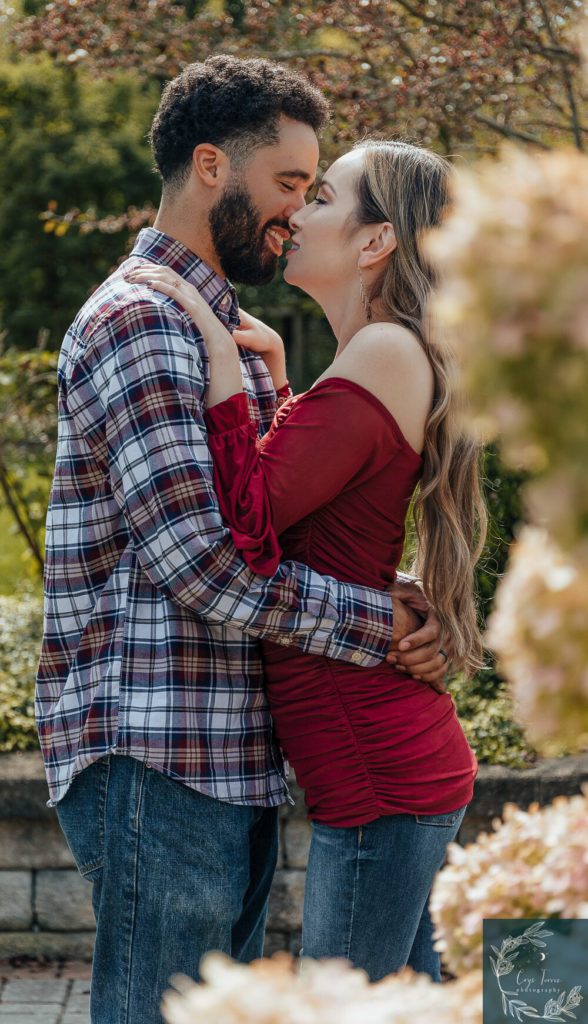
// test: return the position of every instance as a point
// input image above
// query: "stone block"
(16, 900)
(23, 787)
(296, 839)
(33, 844)
(63, 901)
(35, 990)
(471, 827)
(286, 900)
(24, 1013)
(52, 945)
(79, 1002)
(275, 942)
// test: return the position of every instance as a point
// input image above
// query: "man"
(152, 717)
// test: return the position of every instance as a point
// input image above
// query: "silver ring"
(445, 655)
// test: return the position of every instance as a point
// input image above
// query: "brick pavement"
(45, 994)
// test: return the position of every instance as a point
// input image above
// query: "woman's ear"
(210, 164)
(381, 242)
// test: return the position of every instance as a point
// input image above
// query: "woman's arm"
(253, 334)
(316, 447)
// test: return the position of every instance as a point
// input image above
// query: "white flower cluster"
(513, 255)
(539, 629)
(534, 864)
(284, 991)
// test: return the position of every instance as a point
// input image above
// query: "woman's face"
(325, 242)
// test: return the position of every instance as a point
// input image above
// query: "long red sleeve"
(320, 443)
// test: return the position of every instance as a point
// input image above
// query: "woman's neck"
(346, 318)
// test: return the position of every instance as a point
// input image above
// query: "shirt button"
(285, 641)
(356, 656)
(225, 302)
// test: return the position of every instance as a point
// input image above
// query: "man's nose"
(296, 202)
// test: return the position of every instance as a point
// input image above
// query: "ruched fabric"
(333, 480)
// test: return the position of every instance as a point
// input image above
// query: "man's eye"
(289, 188)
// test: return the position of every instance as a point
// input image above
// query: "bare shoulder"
(390, 362)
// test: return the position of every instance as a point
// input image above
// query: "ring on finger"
(445, 655)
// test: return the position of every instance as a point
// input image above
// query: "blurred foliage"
(67, 140)
(21, 627)
(28, 435)
(485, 708)
(459, 74)
(502, 494)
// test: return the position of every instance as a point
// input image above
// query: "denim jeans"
(174, 874)
(367, 892)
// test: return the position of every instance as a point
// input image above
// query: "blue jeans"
(367, 892)
(174, 874)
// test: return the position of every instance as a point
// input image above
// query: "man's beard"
(238, 238)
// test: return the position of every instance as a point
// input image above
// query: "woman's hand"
(163, 279)
(253, 334)
(225, 368)
(256, 336)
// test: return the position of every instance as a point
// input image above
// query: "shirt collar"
(219, 293)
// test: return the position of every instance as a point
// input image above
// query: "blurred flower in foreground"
(284, 991)
(513, 258)
(535, 864)
(539, 629)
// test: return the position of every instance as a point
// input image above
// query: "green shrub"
(21, 627)
(485, 711)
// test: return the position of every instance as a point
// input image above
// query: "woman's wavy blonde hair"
(408, 186)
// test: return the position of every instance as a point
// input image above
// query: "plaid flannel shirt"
(151, 618)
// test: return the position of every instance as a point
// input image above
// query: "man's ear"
(210, 164)
(380, 243)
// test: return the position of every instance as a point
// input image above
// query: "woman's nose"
(296, 219)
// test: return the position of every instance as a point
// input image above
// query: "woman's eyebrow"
(328, 185)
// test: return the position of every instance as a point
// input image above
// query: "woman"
(385, 766)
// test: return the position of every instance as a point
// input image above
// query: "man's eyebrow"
(303, 175)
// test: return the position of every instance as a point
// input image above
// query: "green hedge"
(21, 627)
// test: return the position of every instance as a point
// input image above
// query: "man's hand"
(416, 638)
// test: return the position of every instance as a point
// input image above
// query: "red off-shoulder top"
(330, 486)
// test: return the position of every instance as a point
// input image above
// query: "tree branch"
(442, 22)
(20, 521)
(568, 83)
(509, 133)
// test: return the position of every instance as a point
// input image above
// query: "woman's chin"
(292, 275)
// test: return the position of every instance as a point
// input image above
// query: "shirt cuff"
(365, 634)
(233, 412)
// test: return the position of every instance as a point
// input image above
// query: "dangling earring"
(364, 299)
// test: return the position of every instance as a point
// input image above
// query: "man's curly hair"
(232, 103)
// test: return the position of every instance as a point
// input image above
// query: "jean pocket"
(81, 816)
(450, 819)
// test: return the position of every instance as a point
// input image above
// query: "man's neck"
(180, 223)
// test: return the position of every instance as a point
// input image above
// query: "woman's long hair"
(408, 186)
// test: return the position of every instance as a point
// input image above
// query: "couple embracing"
(221, 586)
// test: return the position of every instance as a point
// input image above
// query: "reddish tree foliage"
(452, 74)
(457, 75)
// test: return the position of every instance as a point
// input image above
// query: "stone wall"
(45, 907)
